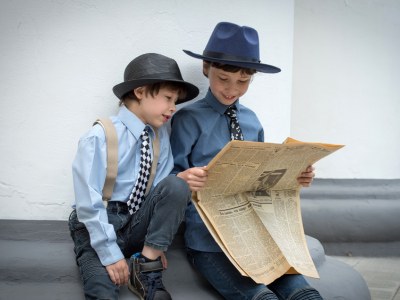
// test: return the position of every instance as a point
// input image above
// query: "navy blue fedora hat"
(234, 45)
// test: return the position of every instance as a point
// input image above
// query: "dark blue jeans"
(154, 225)
(227, 280)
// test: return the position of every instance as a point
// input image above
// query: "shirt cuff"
(110, 255)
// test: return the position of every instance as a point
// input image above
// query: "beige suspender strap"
(112, 157)
(156, 154)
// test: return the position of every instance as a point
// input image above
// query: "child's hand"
(194, 177)
(164, 261)
(307, 177)
(119, 272)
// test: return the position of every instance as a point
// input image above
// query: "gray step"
(38, 262)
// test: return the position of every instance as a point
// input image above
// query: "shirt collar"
(218, 106)
(133, 123)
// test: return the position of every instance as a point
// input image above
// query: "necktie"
(236, 132)
(136, 198)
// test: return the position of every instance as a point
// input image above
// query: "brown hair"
(154, 88)
(228, 68)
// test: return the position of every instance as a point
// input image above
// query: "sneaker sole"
(133, 290)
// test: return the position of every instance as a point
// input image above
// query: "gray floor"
(382, 275)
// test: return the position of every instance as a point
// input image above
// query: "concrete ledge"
(346, 189)
(357, 217)
(34, 266)
(363, 249)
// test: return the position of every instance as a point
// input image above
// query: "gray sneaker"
(146, 279)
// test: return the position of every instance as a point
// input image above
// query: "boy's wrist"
(110, 255)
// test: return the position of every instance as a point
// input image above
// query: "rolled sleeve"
(110, 255)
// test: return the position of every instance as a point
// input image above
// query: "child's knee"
(304, 293)
(177, 188)
(265, 294)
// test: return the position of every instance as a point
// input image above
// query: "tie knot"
(145, 134)
(231, 111)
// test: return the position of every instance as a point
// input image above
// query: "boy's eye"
(243, 82)
(223, 79)
(169, 98)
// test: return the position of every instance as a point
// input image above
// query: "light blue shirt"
(89, 173)
(199, 132)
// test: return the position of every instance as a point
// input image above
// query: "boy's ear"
(139, 92)
(205, 70)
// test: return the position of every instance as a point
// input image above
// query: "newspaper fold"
(251, 206)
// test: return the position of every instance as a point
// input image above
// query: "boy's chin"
(157, 123)
(226, 101)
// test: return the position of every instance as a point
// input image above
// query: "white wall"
(346, 84)
(60, 59)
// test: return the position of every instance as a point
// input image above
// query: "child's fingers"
(305, 181)
(164, 261)
(117, 281)
(195, 189)
(195, 178)
(112, 276)
(126, 275)
(199, 172)
(196, 184)
(310, 169)
(308, 174)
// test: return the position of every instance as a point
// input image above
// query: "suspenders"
(112, 158)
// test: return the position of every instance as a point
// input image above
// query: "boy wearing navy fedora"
(202, 129)
(105, 236)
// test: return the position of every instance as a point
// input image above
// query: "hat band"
(225, 56)
(166, 76)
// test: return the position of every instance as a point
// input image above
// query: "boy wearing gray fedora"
(131, 221)
(200, 131)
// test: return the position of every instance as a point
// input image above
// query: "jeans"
(227, 280)
(154, 225)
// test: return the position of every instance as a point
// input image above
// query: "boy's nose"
(232, 87)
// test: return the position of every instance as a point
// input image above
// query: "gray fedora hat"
(152, 68)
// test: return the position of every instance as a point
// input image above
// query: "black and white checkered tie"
(137, 196)
(236, 132)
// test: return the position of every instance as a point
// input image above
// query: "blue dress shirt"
(89, 173)
(199, 132)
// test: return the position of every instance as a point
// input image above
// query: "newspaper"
(250, 204)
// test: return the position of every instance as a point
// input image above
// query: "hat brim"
(125, 87)
(264, 68)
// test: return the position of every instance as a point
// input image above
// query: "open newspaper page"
(251, 202)
(215, 235)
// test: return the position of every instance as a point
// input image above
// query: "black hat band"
(163, 76)
(226, 56)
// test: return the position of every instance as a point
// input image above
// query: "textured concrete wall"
(60, 59)
(346, 74)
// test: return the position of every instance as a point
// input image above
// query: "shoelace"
(153, 282)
